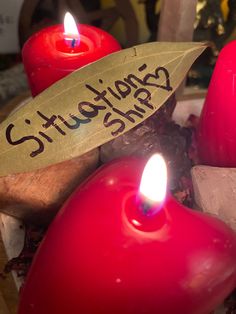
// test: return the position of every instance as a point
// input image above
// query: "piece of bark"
(37, 196)
(8, 291)
(12, 234)
(215, 192)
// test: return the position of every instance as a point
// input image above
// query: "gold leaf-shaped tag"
(93, 105)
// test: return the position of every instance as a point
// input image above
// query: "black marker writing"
(24, 139)
(137, 87)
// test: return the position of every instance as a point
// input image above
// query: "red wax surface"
(48, 56)
(101, 256)
(217, 129)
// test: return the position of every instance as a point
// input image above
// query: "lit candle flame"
(154, 180)
(70, 30)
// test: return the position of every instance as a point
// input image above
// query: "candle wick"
(145, 207)
(149, 208)
(73, 43)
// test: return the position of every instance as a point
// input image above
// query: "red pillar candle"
(112, 251)
(216, 136)
(53, 53)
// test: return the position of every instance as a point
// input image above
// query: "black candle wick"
(73, 42)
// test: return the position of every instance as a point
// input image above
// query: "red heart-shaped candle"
(103, 255)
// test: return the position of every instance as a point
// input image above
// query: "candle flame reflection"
(154, 181)
(71, 31)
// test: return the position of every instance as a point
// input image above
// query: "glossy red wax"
(101, 256)
(217, 129)
(48, 57)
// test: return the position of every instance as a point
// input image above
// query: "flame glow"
(154, 180)
(70, 28)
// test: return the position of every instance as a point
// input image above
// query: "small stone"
(37, 196)
(215, 192)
